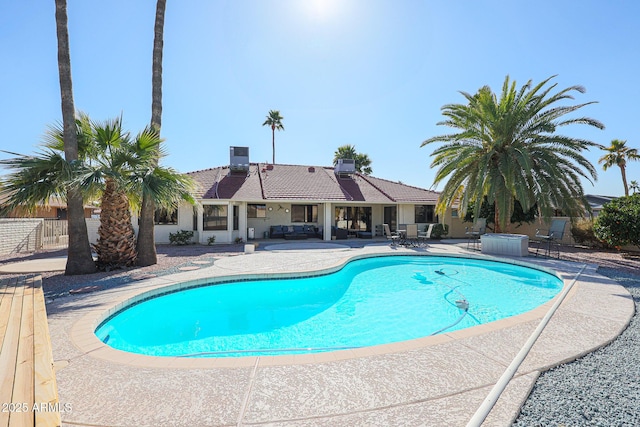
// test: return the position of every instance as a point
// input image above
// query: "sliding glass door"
(390, 217)
(357, 218)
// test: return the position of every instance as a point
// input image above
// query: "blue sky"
(371, 73)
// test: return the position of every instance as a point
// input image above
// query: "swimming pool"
(368, 302)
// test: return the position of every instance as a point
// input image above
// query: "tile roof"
(297, 182)
(221, 183)
(403, 193)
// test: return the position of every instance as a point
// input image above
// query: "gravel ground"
(600, 389)
(170, 259)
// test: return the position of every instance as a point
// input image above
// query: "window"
(454, 213)
(256, 211)
(214, 217)
(304, 213)
(425, 214)
(165, 216)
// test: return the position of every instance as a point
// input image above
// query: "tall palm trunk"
(273, 142)
(624, 179)
(79, 259)
(116, 238)
(146, 244)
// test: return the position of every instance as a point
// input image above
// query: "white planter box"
(505, 244)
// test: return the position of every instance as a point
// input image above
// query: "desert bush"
(439, 231)
(180, 238)
(618, 223)
(583, 234)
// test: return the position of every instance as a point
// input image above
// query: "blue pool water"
(368, 302)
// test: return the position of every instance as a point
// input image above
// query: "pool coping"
(590, 289)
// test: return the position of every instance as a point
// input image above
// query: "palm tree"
(274, 119)
(79, 258)
(127, 171)
(362, 161)
(146, 244)
(618, 154)
(507, 149)
(108, 174)
(111, 166)
(634, 186)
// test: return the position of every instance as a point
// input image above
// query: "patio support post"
(241, 233)
(200, 222)
(242, 220)
(328, 219)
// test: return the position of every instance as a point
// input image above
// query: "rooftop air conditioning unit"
(345, 167)
(239, 159)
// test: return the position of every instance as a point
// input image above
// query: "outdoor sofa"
(293, 232)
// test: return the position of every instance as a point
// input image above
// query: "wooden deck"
(28, 392)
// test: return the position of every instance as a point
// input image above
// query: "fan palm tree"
(507, 149)
(111, 166)
(274, 119)
(127, 171)
(79, 258)
(146, 244)
(362, 161)
(635, 187)
(108, 174)
(618, 154)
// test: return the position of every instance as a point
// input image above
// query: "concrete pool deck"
(434, 381)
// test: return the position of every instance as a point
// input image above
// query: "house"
(55, 208)
(597, 203)
(245, 200)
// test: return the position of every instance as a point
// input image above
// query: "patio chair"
(423, 236)
(394, 237)
(473, 234)
(411, 236)
(552, 236)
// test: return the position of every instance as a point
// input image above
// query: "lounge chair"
(394, 237)
(473, 234)
(551, 236)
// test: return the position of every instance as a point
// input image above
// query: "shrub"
(618, 222)
(180, 238)
(439, 231)
(582, 232)
(211, 240)
(239, 240)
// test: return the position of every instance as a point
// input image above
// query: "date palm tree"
(274, 120)
(79, 258)
(507, 149)
(618, 154)
(363, 162)
(146, 244)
